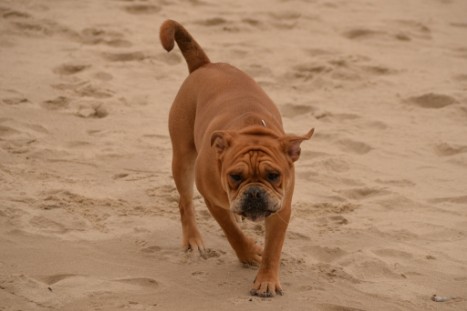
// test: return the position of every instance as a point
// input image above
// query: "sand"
(88, 209)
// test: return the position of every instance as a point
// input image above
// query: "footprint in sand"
(392, 253)
(91, 210)
(172, 254)
(353, 146)
(335, 165)
(151, 249)
(47, 225)
(70, 68)
(308, 72)
(432, 100)
(446, 150)
(58, 103)
(377, 125)
(214, 21)
(167, 193)
(462, 77)
(258, 71)
(325, 208)
(403, 183)
(168, 58)
(18, 137)
(365, 268)
(363, 193)
(52, 279)
(455, 199)
(357, 65)
(94, 36)
(32, 290)
(8, 13)
(339, 118)
(325, 216)
(459, 25)
(142, 282)
(292, 264)
(23, 24)
(82, 285)
(325, 254)
(103, 76)
(120, 176)
(331, 273)
(292, 235)
(124, 57)
(141, 9)
(227, 25)
(91, 109)
(200, 275)
(16, 100)
(460, 52)
(336, 117)
(81, 89)
(361, 34)
(330, 70)
(333, 307)
(411, 29)
(176, 255)
(294, 110)
(253, 22)
(7, 131)
(284, 19)
(334, 221)
(378, 70)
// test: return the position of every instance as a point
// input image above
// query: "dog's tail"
(194, 55)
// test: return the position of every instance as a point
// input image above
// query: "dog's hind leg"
(183, 171)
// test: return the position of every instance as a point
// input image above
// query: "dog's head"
(256, 168)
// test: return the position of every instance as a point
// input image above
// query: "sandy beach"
(89, 216)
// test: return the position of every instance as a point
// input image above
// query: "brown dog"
(227, 136)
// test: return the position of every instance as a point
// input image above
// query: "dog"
(227, 137)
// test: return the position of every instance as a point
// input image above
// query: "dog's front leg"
(248, 252)
(266, 283)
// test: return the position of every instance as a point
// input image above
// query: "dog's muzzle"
(255, 204)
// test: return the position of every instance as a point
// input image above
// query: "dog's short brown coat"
(227, 136)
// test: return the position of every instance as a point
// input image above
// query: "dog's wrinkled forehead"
(253, 160)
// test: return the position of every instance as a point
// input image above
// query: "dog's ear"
(220, 140)
(291, 144)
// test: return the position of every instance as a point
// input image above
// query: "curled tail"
(194, 55)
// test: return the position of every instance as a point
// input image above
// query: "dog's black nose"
(254, 194)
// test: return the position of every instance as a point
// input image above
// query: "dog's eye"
(236, 178)
(273, 177)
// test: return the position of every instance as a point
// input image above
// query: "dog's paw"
(264, 286)
(250, 254)
(194, 242)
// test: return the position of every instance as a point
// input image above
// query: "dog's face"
(256, 169)
(255, 182)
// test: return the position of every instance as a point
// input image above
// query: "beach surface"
(89, 216)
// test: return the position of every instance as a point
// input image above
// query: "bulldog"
(227, 137)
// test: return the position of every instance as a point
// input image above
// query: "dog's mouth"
(256, 216)
(255, 204)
